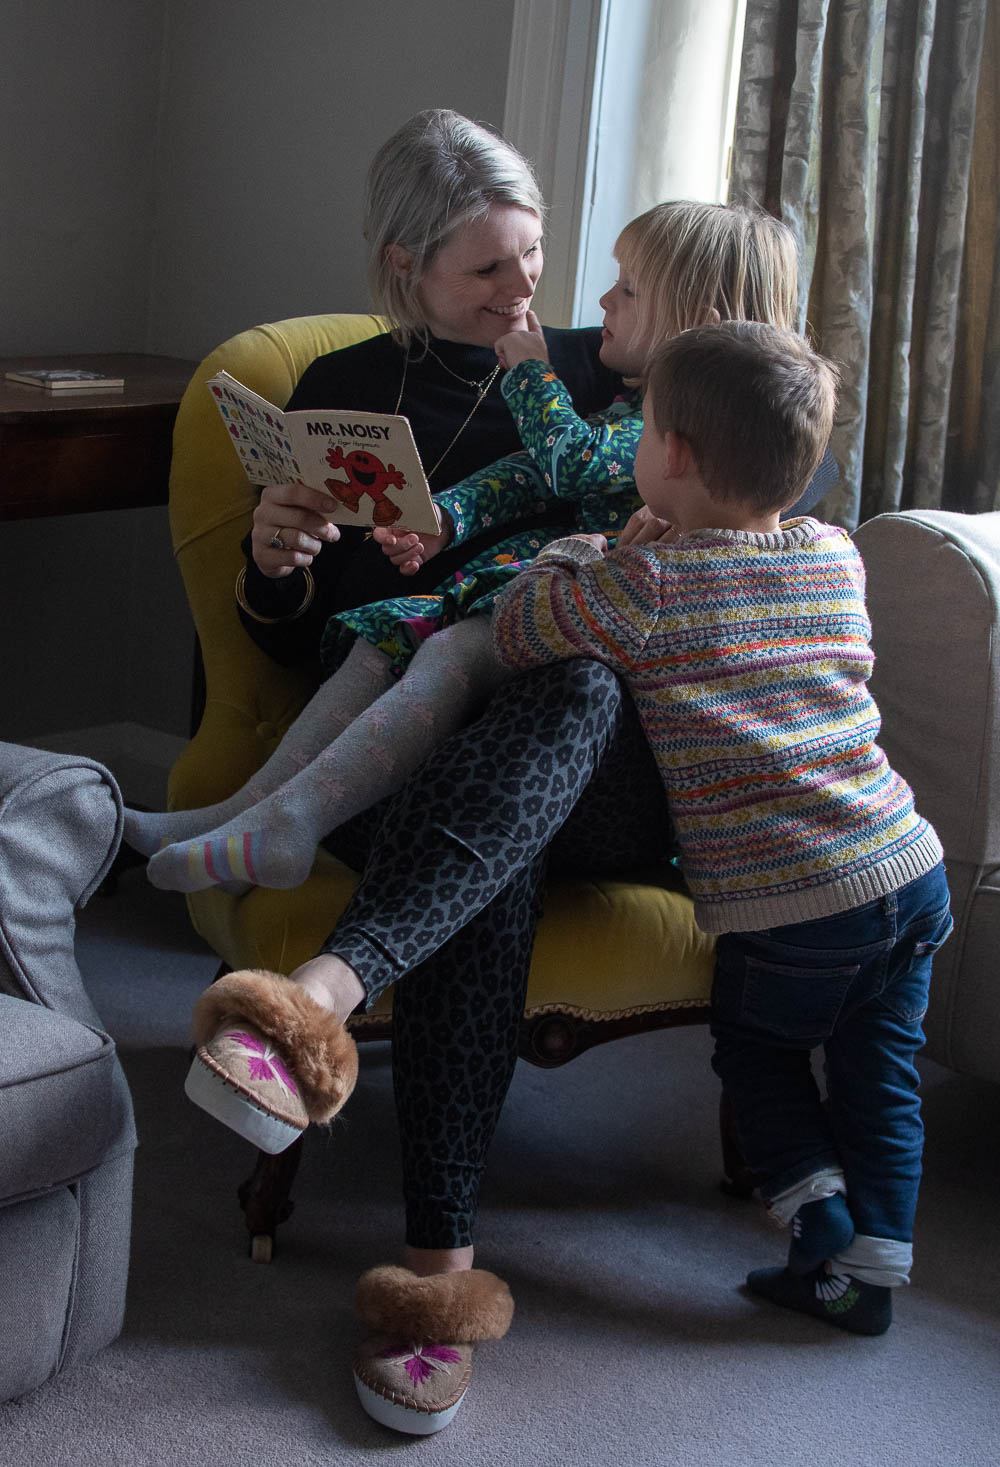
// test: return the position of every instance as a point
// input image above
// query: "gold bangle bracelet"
(244, 605)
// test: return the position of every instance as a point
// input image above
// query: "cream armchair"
(934, 601)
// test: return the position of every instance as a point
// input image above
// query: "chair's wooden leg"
(264, 1198)
(737, 1179)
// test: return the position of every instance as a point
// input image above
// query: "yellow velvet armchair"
(612, 957)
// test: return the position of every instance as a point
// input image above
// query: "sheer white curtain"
(621, 104)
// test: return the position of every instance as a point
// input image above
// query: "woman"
(453, 224)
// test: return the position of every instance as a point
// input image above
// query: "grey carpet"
(632, 1342)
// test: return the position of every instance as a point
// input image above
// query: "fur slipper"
(269, 1059)
(413, 1373)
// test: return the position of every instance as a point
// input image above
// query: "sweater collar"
(802, 530)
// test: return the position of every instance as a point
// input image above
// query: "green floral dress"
(588, 462)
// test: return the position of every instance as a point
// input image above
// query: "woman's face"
(480, 283)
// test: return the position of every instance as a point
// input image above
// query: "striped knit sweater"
(747, 656)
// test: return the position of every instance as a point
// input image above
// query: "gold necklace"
(477, 386)
(482, 388)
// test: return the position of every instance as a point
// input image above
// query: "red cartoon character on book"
(366, 474)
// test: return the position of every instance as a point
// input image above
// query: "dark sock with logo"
(838, 1299)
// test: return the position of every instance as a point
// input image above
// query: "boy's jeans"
(857, 984)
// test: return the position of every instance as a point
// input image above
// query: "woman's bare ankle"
(331, 982)
(425, 1261)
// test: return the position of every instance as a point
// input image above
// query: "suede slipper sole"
(413, 1374)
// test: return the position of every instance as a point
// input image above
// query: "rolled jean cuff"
(827, 1183)
(885, 1262)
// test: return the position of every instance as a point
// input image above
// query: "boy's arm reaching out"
(572, 601)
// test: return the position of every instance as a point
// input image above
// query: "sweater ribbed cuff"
(569, 551)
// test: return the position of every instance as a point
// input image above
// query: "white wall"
(175, 170)
(96, 628)
(172, 171)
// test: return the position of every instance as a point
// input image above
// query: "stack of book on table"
(65, 379)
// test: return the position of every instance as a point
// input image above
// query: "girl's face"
(480, 283)
(622, 347)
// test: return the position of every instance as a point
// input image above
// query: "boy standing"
(746, 646)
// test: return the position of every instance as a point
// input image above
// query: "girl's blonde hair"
(437, 173)
(685, 259)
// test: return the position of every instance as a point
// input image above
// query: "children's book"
(366, 462)
(65, 379)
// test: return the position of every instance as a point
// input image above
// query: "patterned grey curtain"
(869, 126)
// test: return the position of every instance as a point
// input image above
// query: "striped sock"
(269, 850)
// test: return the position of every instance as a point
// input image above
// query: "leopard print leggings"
(557, 770)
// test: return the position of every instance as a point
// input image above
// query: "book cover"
(65, 379)
(366, 462)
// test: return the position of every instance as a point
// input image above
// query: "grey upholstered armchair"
(66, 1129)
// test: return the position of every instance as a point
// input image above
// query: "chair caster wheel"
(262, 1247)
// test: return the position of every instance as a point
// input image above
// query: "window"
(621, 104)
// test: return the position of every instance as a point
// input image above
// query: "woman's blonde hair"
(685, 260)
(437, 173)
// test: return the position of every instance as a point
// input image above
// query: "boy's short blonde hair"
(686, 259)
(755, 404)
(438, 172)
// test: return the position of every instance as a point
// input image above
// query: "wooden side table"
(74, 452)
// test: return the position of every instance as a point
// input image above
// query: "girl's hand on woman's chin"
(522, 346)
